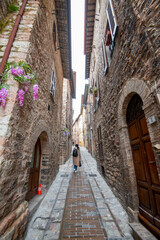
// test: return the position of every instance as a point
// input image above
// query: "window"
(54, 35)
(53, 82)
(108, 42)
(100, 146)
(111, 19)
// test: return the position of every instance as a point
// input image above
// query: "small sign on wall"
(152, 119)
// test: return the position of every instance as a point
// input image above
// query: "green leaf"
(12, 8)
(4, 85)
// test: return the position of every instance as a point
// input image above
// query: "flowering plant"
(90, 90)
(65, 132)
(94, 90)
(22, 73)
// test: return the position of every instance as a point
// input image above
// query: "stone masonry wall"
(21, 126)
(136, 56)
(4, 8)
(66, 122)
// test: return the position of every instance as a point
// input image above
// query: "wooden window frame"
(112, 20)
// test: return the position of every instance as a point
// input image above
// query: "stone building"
(78, 127)
(30, 135)
(67, 116)
(122, 62)
(86, 121)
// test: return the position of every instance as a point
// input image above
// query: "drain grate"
(92, 175)
(64, 175)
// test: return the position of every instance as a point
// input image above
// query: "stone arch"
(132, 87)
(45, 160)
(42, 131)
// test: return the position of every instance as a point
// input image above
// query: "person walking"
(76, 157)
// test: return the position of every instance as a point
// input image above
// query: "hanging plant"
(90, 90)
(23, 74)
(65, 132)
(94, 91)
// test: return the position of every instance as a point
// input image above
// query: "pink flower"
(3, 96)
(35, 91)
(17, 71)
(21, 96)
(26, 87)
(14, 71)
(26, 76)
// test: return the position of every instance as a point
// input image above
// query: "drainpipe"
(12, 37)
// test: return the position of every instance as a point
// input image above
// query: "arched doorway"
(34, 171)
(148, 183)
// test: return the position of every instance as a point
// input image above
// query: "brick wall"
(134, 68)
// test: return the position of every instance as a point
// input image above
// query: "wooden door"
(34, 171)
(148, 183)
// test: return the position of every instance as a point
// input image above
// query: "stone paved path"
(79, 206)
(81, 217)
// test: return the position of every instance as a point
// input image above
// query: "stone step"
(141, 233)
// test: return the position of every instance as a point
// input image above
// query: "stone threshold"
(141, 233)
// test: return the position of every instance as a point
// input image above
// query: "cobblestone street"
(79, 206)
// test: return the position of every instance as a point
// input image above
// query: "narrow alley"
(79, 206)
(79, 74)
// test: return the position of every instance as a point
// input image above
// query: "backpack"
(75, 152)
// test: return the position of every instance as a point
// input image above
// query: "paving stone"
(57, 215)
(78, 205)
(53, 232)
(40, 223)
(35, 234)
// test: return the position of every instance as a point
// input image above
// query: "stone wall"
(66, 140)
(134, 61)
(4, 8)
(21, 126)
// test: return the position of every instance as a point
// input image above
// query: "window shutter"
(104, 57)
(112, 19)
(53, 81)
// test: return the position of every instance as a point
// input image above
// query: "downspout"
(12, 37)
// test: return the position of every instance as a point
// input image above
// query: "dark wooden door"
(34, 171)
(145, 167)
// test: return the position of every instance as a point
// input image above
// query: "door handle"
(151, 162)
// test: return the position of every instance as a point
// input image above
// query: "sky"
(78, 57)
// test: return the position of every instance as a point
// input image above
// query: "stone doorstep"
(140, 232)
